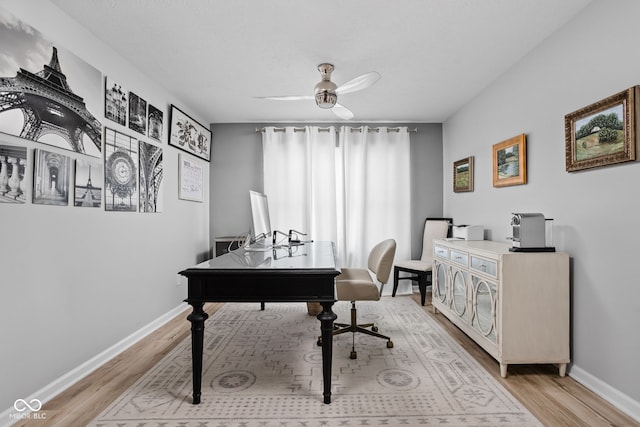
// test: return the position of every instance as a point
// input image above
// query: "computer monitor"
(260, 222)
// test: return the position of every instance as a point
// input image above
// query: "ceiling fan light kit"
(326, 98)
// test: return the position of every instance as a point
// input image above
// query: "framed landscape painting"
(463, 175)
(602, 133)
(510, 162)
(189, 135)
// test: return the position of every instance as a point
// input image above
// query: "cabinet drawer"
(484, 266)
(459, 257)
(440, 251)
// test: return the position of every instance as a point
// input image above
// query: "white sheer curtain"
(300, 180)
(375, 165)
(352, 188)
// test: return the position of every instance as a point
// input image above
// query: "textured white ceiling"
(217, 55)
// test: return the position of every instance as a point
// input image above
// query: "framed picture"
(155, 123)
(137, 113)
(463, 175)
(602, 133)
(191, 178)
(120, 172)
(51, 178)
(61, 104)
(151, 170)
(189, 135)
(88, 184)
(13, 171)
(510, 162)
(116, 101)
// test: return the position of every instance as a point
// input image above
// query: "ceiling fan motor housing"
(325, 90)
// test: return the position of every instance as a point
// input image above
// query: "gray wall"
(76, 281)
(236, 167)
(592, 57)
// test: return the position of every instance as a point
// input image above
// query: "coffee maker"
(529, 233)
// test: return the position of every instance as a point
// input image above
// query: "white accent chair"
(420, 270)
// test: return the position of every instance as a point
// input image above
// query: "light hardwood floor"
(553, 400)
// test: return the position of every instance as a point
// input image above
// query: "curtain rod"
(358, 129)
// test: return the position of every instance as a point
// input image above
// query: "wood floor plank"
(553, 400)
(83, 401)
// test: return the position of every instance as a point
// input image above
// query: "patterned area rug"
(263, 368)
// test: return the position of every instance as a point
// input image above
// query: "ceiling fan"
(326, 92)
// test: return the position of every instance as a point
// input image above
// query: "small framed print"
(116, 100)
(191, 179)
(156, 123)
(463, 175)
(603, 133)
(137, 113)
(510, 162)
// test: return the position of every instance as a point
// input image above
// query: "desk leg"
(197, 318)
(326, 328)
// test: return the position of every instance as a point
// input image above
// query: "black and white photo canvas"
(88, 183)
(13, 165)
(115, 101)
(31, 66)
(137, 113)
(156, 120)
(120, 172)
(151, 172)
(51, 174)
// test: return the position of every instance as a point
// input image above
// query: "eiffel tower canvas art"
(47, 94)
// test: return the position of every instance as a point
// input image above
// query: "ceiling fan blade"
(361, 82)
(287, 98)
(343, 112)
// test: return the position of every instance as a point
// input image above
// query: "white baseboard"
(48, 392)
(614, 396)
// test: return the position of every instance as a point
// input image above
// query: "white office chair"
(356, 284)
(420, 270)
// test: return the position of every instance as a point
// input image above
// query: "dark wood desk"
(299, 274)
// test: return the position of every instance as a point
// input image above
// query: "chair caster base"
(389, 344)
(319, 342)
(374, 328)
(353, 355)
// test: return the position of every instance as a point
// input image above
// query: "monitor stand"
(259, 246)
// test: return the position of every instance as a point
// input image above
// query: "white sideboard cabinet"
(515, 305)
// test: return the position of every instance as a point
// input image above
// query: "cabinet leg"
(503, 370)
(435, 310)
(562, 367)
